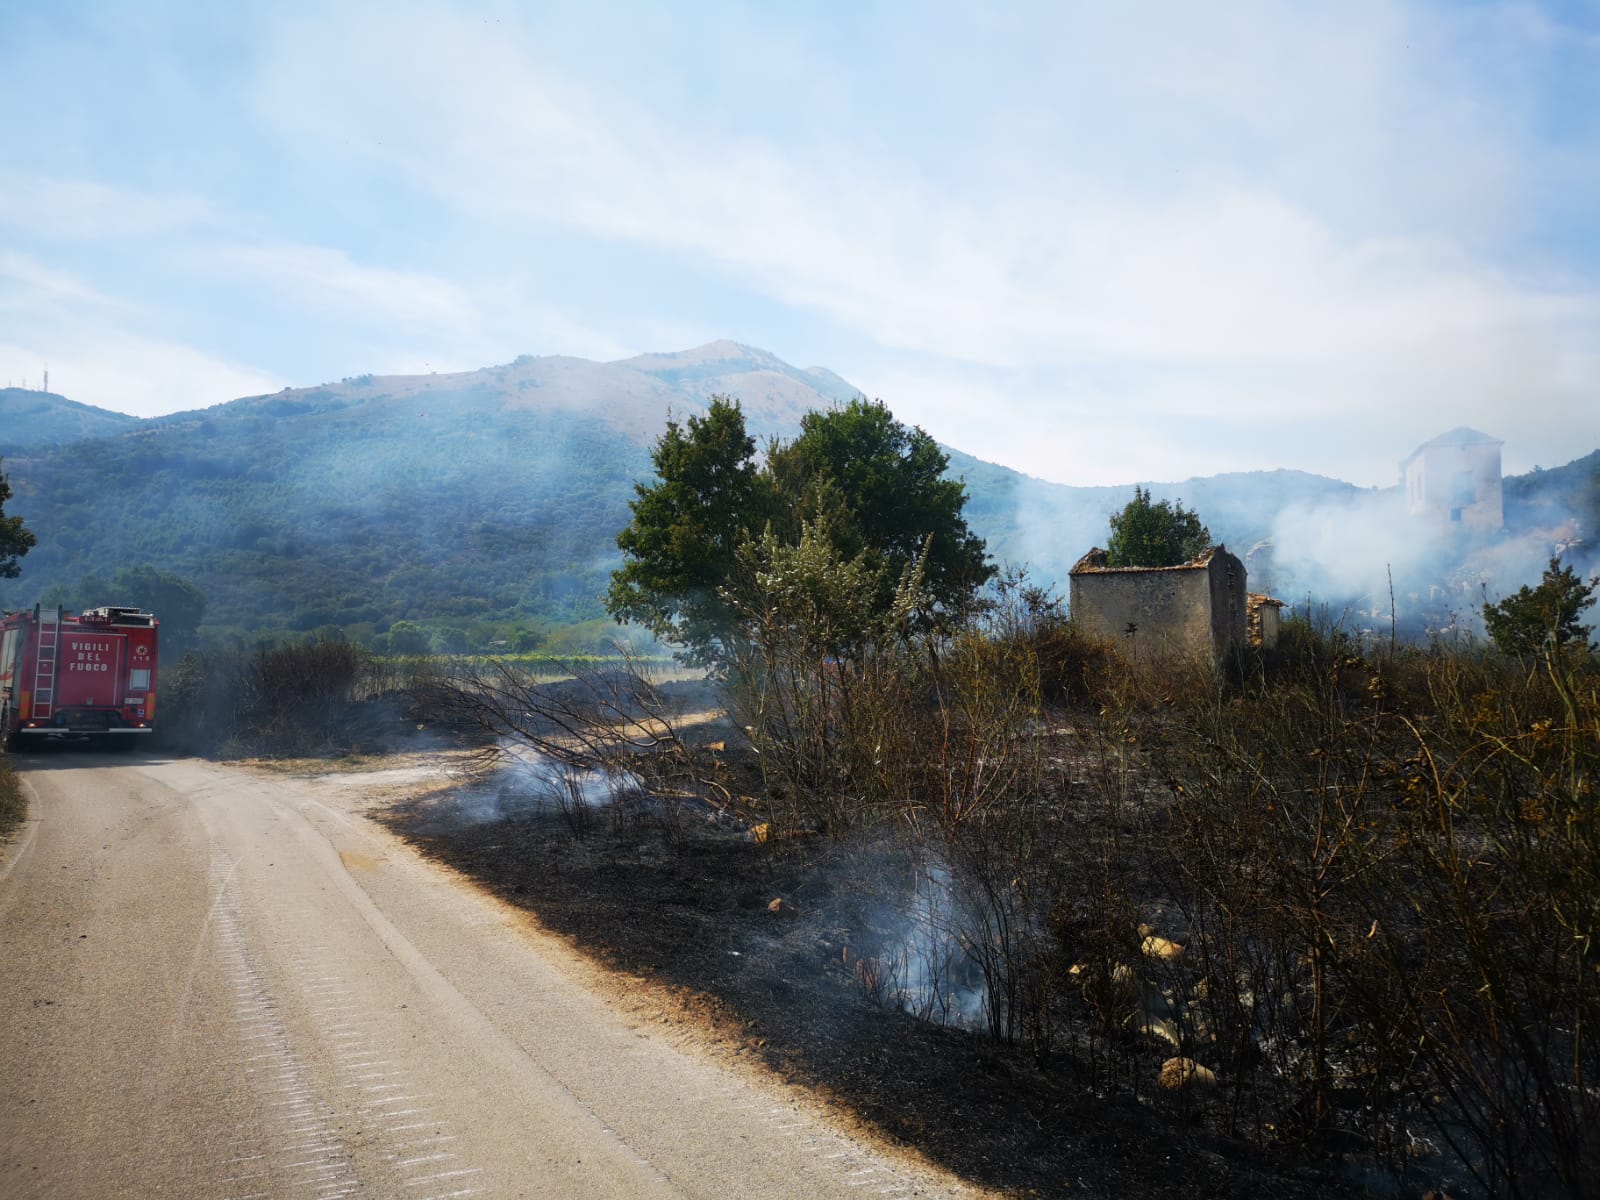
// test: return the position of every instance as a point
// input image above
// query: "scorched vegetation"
(1326, 908)
(1336, 906)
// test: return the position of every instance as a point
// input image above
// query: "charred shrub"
(1387, 868)
(284, 699)
(292, 695)
(1069, 665)
(1352, 896)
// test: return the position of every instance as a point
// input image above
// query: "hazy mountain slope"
(774, 395)
(497, 494)
(1049, 526)
(343, 510)
(29, 418)
(492, 493)
(1553, 497)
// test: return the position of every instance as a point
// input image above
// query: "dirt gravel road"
(219, 983)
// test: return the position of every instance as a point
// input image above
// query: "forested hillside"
(486, 503)
(305, 513)
(1566, 493)
(30, 418)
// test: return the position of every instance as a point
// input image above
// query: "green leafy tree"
(89, 592)
(855, 478)
(1149, 533)
(449, 639)
(881, 488)
(827, 604)
(1538, 618)
(681, 548)
(15, 538)
(178, 604)
(407, 637)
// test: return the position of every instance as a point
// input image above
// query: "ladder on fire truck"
(45, 672)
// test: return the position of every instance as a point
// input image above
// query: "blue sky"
(1097, 242)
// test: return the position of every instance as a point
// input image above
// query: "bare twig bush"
(610, 728)
(1387, 866)
(1359, 888)
(1356, 893)
(291, 695)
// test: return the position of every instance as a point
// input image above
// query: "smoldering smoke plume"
(524, 781)
(929, 963)
(1365, 560)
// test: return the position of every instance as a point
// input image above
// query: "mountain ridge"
(31, 418)
(537, 372)
(486, 496)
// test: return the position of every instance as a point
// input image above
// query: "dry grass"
(13, 807)
(1382, 870)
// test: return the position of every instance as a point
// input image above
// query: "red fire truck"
(64, 676)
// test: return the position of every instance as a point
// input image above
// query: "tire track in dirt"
(369, 1131)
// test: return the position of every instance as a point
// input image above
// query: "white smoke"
(528, 782)
(1346, 551)
(927, 968)
(1365, 561)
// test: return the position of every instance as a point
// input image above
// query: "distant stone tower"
(1455, 479)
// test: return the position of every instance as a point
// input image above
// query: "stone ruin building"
(1198, 609)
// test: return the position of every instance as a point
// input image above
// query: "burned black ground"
(691, 913)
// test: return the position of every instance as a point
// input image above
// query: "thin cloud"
(127, 373)
(1210, 239)
(466, 326)
(95, 355)
(89, 209)
(27, 285)
(330, 281)
(1219, 279)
